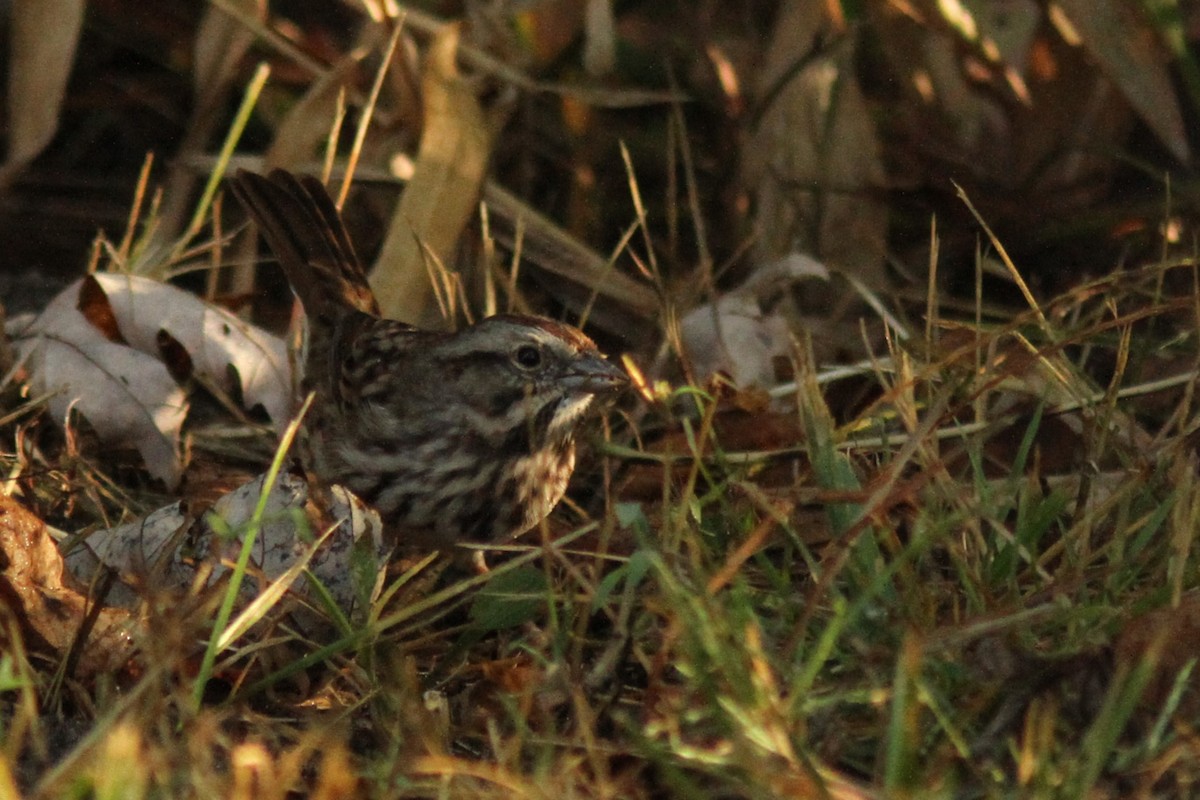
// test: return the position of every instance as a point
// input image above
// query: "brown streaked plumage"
(452, 437)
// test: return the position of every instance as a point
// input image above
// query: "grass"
(975, 580)
(946, 596)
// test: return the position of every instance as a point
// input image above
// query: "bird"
(452, 437)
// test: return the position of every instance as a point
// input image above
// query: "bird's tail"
(304, 230)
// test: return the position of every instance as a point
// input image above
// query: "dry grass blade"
(364, 122)
(545, 243)
(1008, 263)
(203, 207)
(314, 118)
(956, 557)
(221, 623)
(554, 250)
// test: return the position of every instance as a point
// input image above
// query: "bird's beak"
(594, 374)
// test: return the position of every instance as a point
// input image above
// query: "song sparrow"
(452, 437)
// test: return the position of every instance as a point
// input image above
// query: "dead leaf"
(122, 386)
(546, 245)
(1176, 631)
(47, 602)
(813, 160)
(1117, 34)
(43, 36)
(166, 546)
(736, 336)
(1051, 141)
(308, 123)
(215, 339)
(128, 396)
(94, 306)
(443, 193)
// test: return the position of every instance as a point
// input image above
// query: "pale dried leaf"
(142, 554)
(792, 267)
(814, 161)
(1117, 34)
(736, 336)
(215, 339)
(43, 37)
(117, 378)
(442, 196)
(165, 545)
(127, 396)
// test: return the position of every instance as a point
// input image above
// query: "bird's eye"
(528, 356)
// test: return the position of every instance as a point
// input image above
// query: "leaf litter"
(99, 348)
(1012, 495)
